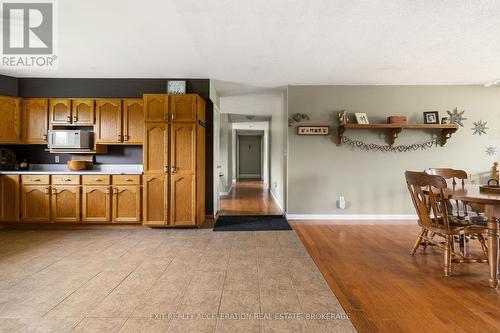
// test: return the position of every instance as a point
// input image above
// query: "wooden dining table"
(491, 202)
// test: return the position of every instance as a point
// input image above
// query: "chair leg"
(418, 241)
(483, 244)
(447, 256)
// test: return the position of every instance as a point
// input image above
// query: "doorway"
(249, 157)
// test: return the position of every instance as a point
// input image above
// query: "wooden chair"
(427, 194)
(465, 208)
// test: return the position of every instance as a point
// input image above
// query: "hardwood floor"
(384, 289)
(249, 197)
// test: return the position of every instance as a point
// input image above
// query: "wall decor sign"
(313, 130)
(361, 118)
(431, 117)
(297, 118)
(176, 87)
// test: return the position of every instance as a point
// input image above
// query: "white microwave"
(78, 139)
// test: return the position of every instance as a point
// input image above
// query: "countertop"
(62, 169)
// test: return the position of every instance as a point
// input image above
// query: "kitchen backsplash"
(36, 154)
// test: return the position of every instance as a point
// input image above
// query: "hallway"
(249, 197)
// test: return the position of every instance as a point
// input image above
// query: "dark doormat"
(251, 223)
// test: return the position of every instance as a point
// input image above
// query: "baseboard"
(228, 192)
(350, 217)
(276, 201)
(249, 175)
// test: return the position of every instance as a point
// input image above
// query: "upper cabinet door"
(183, 108)
(156, 148)
(60, 111)
(35, 119)
(183, 148)
(133, 121)
(83, 111)
(10, 120)
(156, 108)
(109, 122)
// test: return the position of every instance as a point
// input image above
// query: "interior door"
(65, 202)
(133, 121)
(155, 199)
(156, 108)
(109, 121)
(83, 111)
(60, 111)
(183, 108)
(156, 148)
(35, 121)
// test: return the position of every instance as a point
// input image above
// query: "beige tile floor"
(143, 280)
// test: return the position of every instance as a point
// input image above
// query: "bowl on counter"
(78, 165)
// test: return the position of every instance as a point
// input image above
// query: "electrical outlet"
(275, 184)
(56, 158)
(341, 203)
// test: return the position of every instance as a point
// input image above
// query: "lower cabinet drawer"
(35, 179)
(66, 179)
(96, 180)
(126, 179)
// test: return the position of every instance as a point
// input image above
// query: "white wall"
(319, 171)
(224, 154)
(278, 143)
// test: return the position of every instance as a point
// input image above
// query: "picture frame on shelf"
(431, 117)
(176, 87)
(361, 118)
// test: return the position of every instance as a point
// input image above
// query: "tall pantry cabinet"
(174, 160)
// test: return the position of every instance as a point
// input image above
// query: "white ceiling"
(250, 46)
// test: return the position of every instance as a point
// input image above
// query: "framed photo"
(361, 118)
(176, 87)
(313, 130)
(431, 117)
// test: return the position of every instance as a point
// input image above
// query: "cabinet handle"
(98, 180)
(67, 180)
(107, 191)
(54, 191)
(75, 118)
(173, 116)
(174, 169)
(68, 119)
(119, 137)
(128, 179)
(166, 116)
(45, 136)
(167, 168)
(115, 191)
(46, 190)
(126, 137)
(35, 179)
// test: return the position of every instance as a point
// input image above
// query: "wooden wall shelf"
(394, 130)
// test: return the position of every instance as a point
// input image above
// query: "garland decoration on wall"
(388, 148)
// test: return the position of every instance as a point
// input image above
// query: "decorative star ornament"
(491, 150)
(456, 117)
(479, 127)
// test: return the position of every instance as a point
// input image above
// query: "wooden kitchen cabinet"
(35, 203)
(156, 147)
(183, 108)
(156, 108)
(83, 112)
(65, 203)
(10, 120)
(155, 199)
(9, 198)
(60, 111)
(96, 203)
(133, 121)
(182, 200)
(174, 164)
(35, 120)
(126, 203)
(108, 121)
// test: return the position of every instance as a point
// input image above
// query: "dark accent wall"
(8, 85)
(88, 87)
